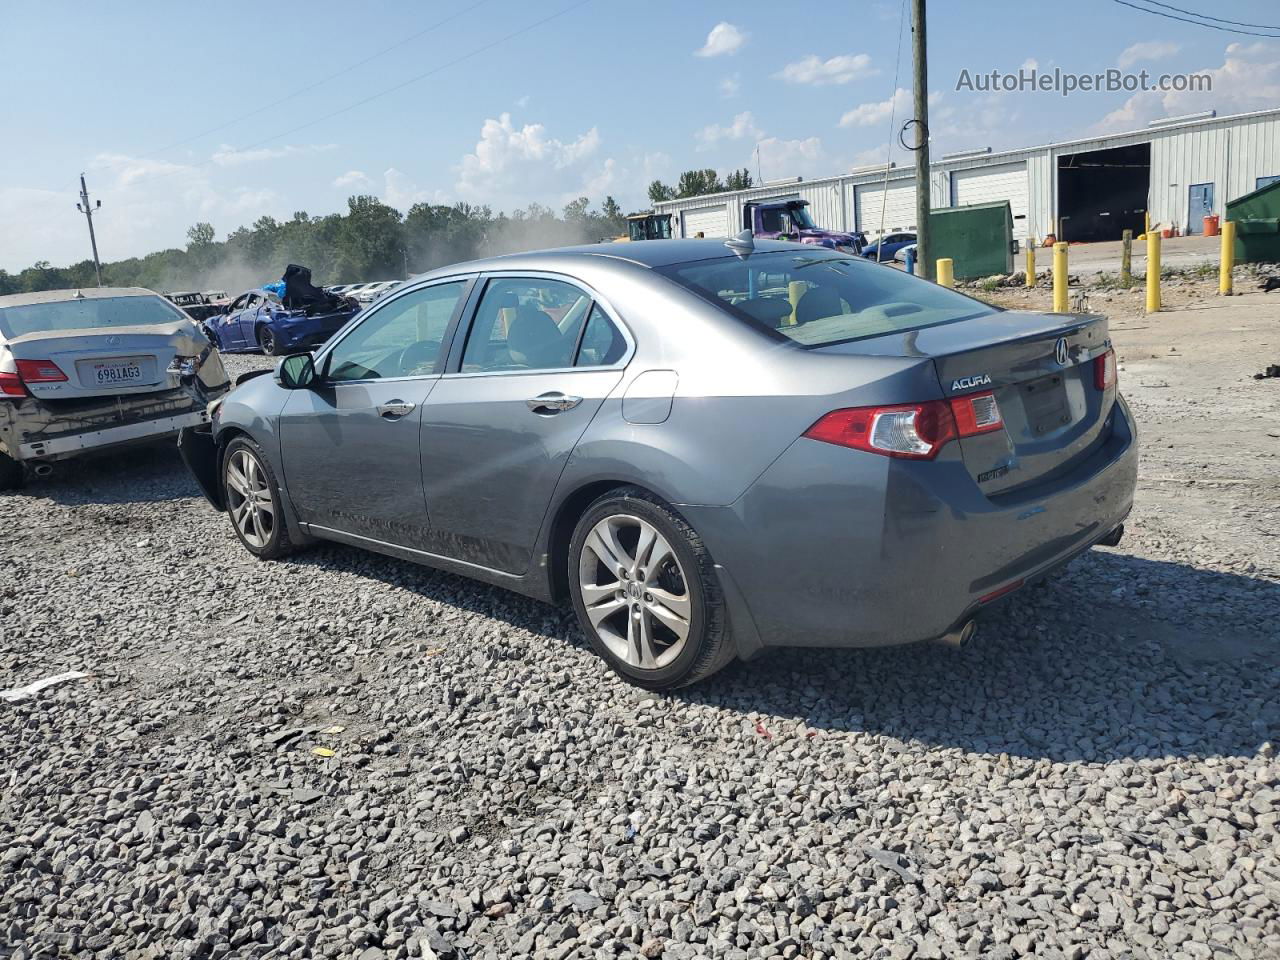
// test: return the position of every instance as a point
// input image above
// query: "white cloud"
(1248, 79)
(147, 205)
(842, 69)
(730, 85)
(870, 114)
(516, 165)
(743, 127)
(522, 102)
(724, 38)
(401, 192)
(794, 158)
(352, 178)
(1031, 63)
(1147, 50)
(900, 105)
(228, 156)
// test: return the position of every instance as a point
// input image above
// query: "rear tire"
(268, 341)
(11, 473)
(254, 503)
(644, 588)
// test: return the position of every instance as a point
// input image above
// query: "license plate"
(109, 373)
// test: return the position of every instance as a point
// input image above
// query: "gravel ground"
(343, 755)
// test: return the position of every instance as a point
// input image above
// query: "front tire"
(269, 342)
(254, 504)
(645, 591)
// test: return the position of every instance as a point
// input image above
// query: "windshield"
(786, 219)
(817, 298)
(86, 314)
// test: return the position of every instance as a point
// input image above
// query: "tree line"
(371, 241)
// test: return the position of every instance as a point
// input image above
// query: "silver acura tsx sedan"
(709, 448)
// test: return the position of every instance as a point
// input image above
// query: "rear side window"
(817, 298)
(602, 343)
(86, 314)
(525, 324)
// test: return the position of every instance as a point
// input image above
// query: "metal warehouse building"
(1179, 170)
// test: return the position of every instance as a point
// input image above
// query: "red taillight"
(39, 371)
(976, 413)
(1104, 370)
(915, 431)
(11, 385)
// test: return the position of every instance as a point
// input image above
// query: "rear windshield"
(819, 297)
(86, 314)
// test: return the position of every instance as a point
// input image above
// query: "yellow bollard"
(1146, 222)
(795, 290)
(1126, 258)
(1228, 257)
(1153, 272)
(1060, 304)
(1031, 264)
(946, 276)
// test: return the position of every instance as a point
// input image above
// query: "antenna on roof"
(743, 245)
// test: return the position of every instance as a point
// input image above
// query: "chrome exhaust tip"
(41, 468)
(959, 638)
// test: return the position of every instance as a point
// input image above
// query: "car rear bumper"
(68, 444)
(36, 429)
(833, 547)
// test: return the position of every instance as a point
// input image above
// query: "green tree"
(659, 191)
(575, 211)
(739, 179)
(695, 183)
(200, 235)
(371, 240)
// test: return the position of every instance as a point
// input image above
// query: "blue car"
(891, 243)
(258, 322)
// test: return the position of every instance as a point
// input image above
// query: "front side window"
(817, 298)
(86, 314)
(403, 338)
(525, 324)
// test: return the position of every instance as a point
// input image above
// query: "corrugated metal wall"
(1230, 152)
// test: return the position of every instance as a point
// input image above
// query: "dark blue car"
(256, 321)
(891, 242)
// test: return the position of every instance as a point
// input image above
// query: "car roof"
(645, 253)
(60, 296)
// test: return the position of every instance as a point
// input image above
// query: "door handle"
(553, 402)
(395, 409)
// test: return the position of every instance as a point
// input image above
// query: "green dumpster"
(978, 238)
(1257, 219)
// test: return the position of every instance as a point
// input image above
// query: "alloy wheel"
(635, 592)
(249, 499)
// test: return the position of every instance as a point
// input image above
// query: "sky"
(229, 111)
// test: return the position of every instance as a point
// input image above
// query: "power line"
(1205, 16)
(1198, 23)
(383, 92)
(301, 90)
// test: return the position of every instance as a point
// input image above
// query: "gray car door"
(349, 445)
(498, 430)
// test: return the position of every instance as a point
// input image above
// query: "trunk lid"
(108, 361)
(1040, 368)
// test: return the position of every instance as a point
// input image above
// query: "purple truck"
(789, 220)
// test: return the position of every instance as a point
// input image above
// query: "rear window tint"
(86, 314)
(820, 298)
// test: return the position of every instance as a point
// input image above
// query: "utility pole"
(84, 207)
(924, 257)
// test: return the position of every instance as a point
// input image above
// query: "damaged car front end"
(86, 371)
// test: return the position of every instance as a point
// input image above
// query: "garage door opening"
(1102, 193)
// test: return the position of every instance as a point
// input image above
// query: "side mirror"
(296, 372)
